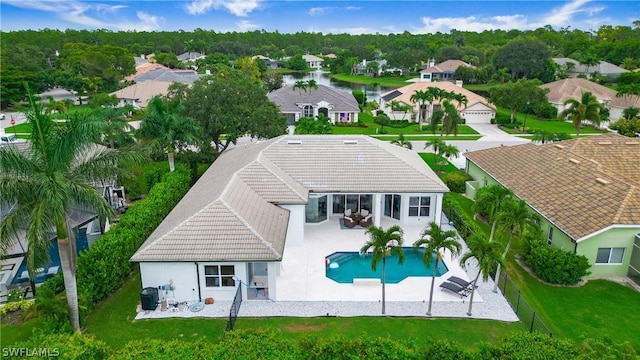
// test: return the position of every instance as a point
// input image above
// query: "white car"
(2, 116)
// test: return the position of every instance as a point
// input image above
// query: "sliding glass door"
(355, 202)
(316, 209)
(392, 205)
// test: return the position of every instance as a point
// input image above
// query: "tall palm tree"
(422, 98)
(491, 199)
(486, 253)
(578, 111)
(516, 218)
(433, 240)
(383, 243)
(163, 127)
(300, 85)
(448, 151)
(114, 125)
(47, 180)
(450, 118)
(436, 143)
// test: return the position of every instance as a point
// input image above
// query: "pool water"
(353, 265)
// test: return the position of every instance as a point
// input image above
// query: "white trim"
(614, 226)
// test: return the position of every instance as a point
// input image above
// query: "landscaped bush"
(530, 346)
(62, 346)
(456, 181)
(465, 225)
(104, 267)
(555, 265)
(254, 344)
(15, 306)
(157, 349)
(547, 111)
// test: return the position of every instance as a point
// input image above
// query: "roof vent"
(559, 146)
(294, 142)
(350, 142)
(575, 161)
(605, 143)
(632, 142)
(602, 181)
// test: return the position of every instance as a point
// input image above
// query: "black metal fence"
(525, 313)
(235, 309)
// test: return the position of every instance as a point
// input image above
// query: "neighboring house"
(232, 226)
(602, 68)
(139, 94)
(144, 68)
(190, 56)
(271, 64)
(572, 88)
(58, 94)
(295, 103)
(166, 74)
(313, 61)
(478, 110)
(586, 190)
(443, 71)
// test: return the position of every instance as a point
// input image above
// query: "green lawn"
(554, 125)
(429, 159)
(392, 81)
(428, 137)
(20, 128)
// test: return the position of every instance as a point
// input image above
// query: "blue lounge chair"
(462, 282)
(455, 289)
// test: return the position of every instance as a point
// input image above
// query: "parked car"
(2, 116)
(8, 138)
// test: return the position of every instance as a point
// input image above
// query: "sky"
(339, 16)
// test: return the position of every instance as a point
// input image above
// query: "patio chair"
(455, 289)
(348, 221)
(462, 282)
(366, 221)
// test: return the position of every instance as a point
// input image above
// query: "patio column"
(438, 209)
(377, 209)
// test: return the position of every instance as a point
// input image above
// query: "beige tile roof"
(572, 88)
(407, 91)
(143, 91)
(581, 185)
(229, 214)
(447, 65)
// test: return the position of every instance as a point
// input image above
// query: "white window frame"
(610, 254)
(419, 206)
(220, 277)
(550, 235)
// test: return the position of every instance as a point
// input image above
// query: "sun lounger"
(462, 282)
(455, 289)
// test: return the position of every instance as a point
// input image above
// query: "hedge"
(456, 181)
(103, 268)
(555, 265)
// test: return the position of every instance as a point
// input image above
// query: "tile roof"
(581, 185)
(407, 91)
(143, 92)
(604, 68)
(287, 98)
(572, 88)
(229, 214)
(446, 66)
(164, 74)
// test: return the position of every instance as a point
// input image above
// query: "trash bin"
(149, 298)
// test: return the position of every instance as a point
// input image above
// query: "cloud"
(319, 11)
(235, 7)
(246, 25)
(92, 15)
(471, 23)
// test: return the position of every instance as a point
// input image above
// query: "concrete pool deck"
(303, 290)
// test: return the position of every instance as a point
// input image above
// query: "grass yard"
(554, 125)
(20, 128)
(429, 159)
(390, 81)
(599, 309)
(428, 137)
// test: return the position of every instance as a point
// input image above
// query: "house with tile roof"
(586, 190)
(603, 68)
(478, 110)
(443, 71)
(313, 61)
(572, 88)
(231, 228)
(295, 103)
(139, 94)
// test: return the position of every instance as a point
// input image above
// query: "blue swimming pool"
(353, 265)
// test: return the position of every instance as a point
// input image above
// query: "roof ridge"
(268, 164)
(624, 204)
(224, 203)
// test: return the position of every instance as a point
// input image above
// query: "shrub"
(358, 348)
(64, 346)
(555, 265)
(456, 181)
(530, 346)
(23, 305)
(547, 111)
(465, 225)
(15, 295)
(254, 344)
(162, 349)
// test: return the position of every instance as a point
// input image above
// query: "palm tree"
(383, 243)
(114, 126)
(516, 218)
(461, 99)
(448, 151)
(163, 127)
(436, 144)
(402, 142)
(300, 85)
(434, 239)
(486, 253)
(56, 174)
(578, 111)
(491, 199)
(450, 119)
(422, 98)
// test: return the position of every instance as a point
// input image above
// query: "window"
(419, 205)
(550, 235)
(355, 202)
(392, 205)
(219, 275)
(610, 256)
(308, 111)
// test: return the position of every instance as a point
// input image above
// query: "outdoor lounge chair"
(455, 288)
(462, 282)
(348, 221)
(366, 221)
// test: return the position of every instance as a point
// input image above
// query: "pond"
(323, 78)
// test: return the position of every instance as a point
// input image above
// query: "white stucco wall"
(295, 229)
(182, 274)
(478, 114)
(434, 210)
